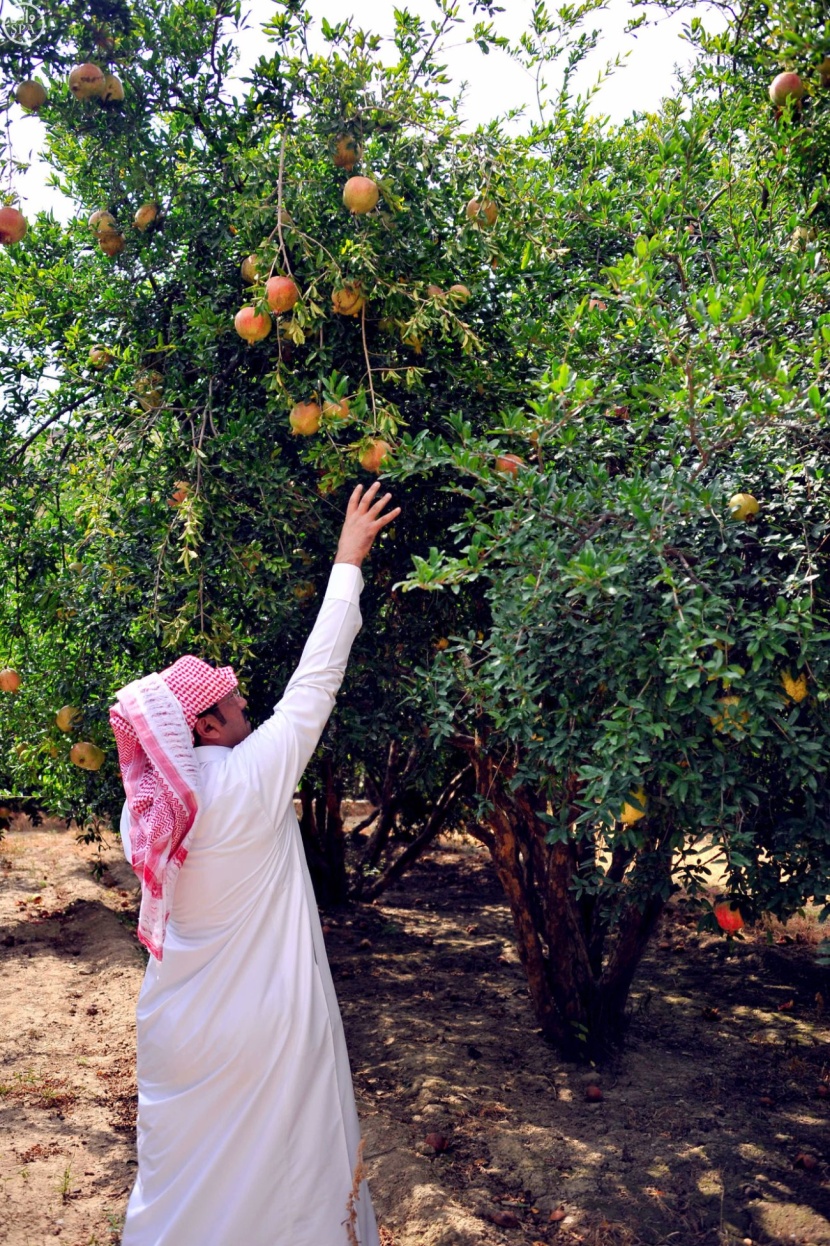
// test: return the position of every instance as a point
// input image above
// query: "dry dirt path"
(700, 1138)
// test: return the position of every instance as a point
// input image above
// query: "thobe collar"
(206, 753)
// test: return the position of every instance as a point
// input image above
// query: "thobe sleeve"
(275, 755)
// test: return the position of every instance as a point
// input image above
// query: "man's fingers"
(354, 500)
(379, 505)
(368, 496)
(383, 520)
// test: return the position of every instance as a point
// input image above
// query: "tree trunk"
(389, 800)
(432, 829)
(321, 826)
(578, 985)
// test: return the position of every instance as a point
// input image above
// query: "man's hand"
(364, 520)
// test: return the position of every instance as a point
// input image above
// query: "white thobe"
(247, 1127)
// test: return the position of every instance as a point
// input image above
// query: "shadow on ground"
(709, 1122)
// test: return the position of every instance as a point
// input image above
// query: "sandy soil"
(711, 1130)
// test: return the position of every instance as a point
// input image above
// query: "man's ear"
(205, 726)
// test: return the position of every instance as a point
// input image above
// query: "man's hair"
(211, 709)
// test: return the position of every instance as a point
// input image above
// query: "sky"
(495, 83)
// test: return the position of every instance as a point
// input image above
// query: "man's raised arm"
(277, 753)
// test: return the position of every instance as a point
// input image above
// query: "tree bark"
(579, 988)
(321, 827)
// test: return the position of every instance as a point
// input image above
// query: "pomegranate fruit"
(66, 716)
(9, 680)
(482, 212)
(348, 300)
(509, 464)
(30, 95)
(305, 418)
(12, 226)
(784, 87)
(728, 916)
(111, 242)
(148, 387)
(251, 324)
(360, 195)
(374, 455)
(742, 505)
(281, 293)
(87, 755)
(346, 152)
(102, 222)
(86, 81)
(145, 216)
(112, 92)
(249, 270)
(100, 357)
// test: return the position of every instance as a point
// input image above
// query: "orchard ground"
(710, 1129)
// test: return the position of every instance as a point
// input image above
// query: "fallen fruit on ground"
(346, 152)
(504, 1219)
(442, 643)
(729, 716)
(437, 1141)
(112, 91)
(348, 300)
(729, 917)
(557, 1215)
(630, 812)
(281, 294)
(145, 216)
(482, 211)
(148, 387)
(796, 689)
(251, 324)
(86, 755)
(99, 357)
(249, 270)
(360, 195)
(12, 226)
(786, 86)
(742, 505)
(66, 716)
(305, 418)
(372, 457)
(509, 463)
(86, 81)
(9, 680)
(593, 1093)
(30, 95)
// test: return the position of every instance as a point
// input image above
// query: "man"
(247, 1128)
